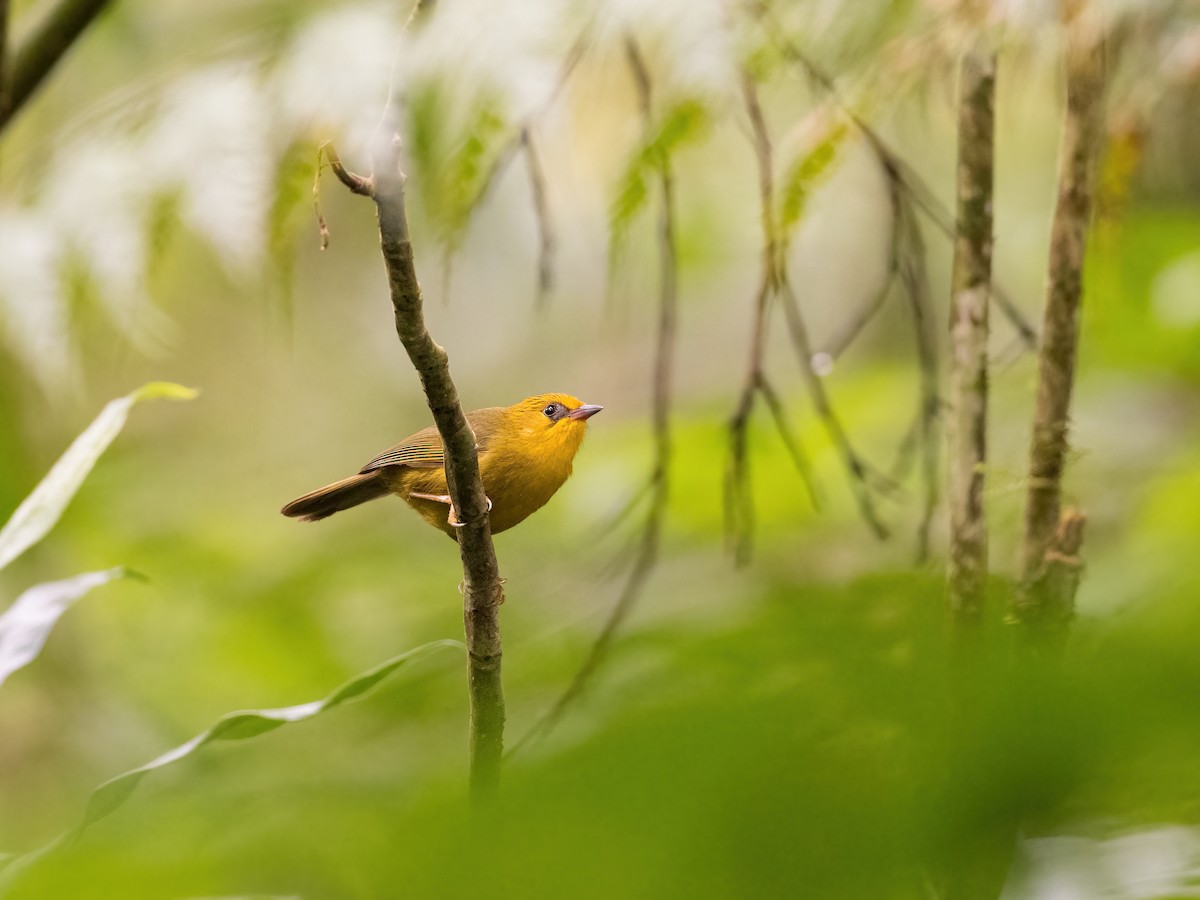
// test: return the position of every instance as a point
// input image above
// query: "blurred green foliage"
(819, 739)
(799, 727)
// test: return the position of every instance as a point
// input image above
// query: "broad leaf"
(41, 509)
(26, 624)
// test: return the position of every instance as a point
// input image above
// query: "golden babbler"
(525, 454)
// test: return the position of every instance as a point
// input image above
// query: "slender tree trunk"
(971, 293)
(1040, 601)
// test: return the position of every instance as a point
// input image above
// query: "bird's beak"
(584, 412)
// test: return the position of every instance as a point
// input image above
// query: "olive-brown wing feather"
(423, 450)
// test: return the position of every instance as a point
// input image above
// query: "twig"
(915, 278)
(504, 156)
(739, 502)
(541, 212)
(776, 282)
(646, 560)
(857, 470)
(971, 286)
(38, 54)
(894, 168)
(906, 264)
(836, 345)
(658, 484)
(357, 184)
(794, 449)
(520, 141)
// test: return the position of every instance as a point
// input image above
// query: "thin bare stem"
(894, 168)
(790, 441)
(521, 141)
(915, 279)
(541, 211)
(643, 565)
(857, 471)
(515, 141)
(773, 283)
(739, 503)
(659, 483)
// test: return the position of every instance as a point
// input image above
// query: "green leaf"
(805, 172)
(235, 726)
(466, 174)
(39, 512)
(683, 122)
(26, 624)
(455, 150)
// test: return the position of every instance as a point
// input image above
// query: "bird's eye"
(550, 410)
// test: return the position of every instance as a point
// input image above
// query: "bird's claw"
(452, 517)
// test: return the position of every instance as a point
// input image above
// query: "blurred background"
(786, 727)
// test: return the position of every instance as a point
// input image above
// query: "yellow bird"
(525, 454)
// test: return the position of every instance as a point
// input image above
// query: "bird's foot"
(452, 517)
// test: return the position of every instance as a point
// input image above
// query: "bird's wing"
(423, 450)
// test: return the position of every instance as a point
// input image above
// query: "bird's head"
(552, 421)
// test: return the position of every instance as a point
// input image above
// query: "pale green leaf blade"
(236, 726)
(806, 172)
(42, 508)
(245, 724)
(26, 624)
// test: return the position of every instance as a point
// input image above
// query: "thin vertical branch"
(482, 587)
(657, 488)
(894, 168)
(858, 472)
(38, 54)
(521, 141)
(1082, 135)
(779, 283)
(915, 278)
(541, 212)
(970, 289)
(906, 264)
(739, 505)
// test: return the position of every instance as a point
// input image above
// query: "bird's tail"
(348, 492)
